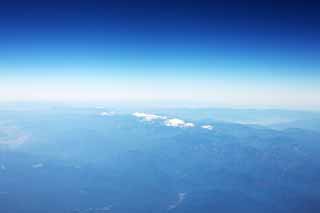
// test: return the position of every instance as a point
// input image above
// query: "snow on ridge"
(37, 165)
(171, 122)
(148, 117)
(181, 198)
(107, 113)
(208, 127)
(175, 122)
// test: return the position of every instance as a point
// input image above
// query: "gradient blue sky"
(209, 53)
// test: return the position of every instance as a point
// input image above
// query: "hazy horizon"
(208, 54)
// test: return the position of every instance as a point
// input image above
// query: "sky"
(192, 53)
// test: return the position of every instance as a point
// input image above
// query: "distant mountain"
(91, 162)
(309, 124)
(245, 116)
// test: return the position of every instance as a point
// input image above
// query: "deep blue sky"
(248, 53)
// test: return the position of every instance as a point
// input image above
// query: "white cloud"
(175, 122)
(148, 117)
(209, 127)
(107, 113)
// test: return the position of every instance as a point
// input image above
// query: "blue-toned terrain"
(94, 160)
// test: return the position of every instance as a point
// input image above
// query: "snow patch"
(37, 165)
(148, 117)
(208, 127)
(175, 122)
(107, 113)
